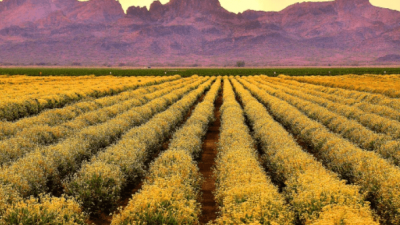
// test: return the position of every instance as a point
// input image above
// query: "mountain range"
(196, 33)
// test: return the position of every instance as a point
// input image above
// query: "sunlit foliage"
(315, 193)
(377, 177)
(244, 192)
(99, 183)
(171, 189)
(23, 96)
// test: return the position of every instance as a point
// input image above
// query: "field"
(200, 149)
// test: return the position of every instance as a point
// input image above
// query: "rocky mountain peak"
(179, 8)
(138, 12)
(346, 5)
(203, 5)
(98, 11)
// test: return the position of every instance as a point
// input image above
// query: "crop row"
(14, 88)
(317, 195)
(170, 192)
(350, 129)
(376, 177)
(56, 116)
(98, 184)
(382, 108)
(43, 170)
(40, 136)
(366, 83)
(359, 96)
(19, 107)
(243, 190)
(374, 122)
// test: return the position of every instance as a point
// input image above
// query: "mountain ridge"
(192, 32)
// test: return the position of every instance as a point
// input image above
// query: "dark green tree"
(240, 64)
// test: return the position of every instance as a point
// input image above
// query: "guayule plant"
(44, 210)
(98, 187)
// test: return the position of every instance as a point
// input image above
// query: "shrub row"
(25, 104)
(358, 95)
(365, 83)
(374, 122)
(98, 183)
(316, 194)
(43, 169)
(311, 89)
(53, 117)
(377, 177)
(170, 192)
(350, 129)
(39, 136)
(243, 190)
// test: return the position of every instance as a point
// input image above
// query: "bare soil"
(209, 206)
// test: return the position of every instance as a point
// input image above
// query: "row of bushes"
(244, 192)
(29, 101)
(43, 169)
(385, 145)
(368, 83)
(98, 184)
(381, 105)
(40, 135)
(170, 192)
(378, 178)
(316, 194)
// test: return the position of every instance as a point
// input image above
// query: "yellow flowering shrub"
(376, 99)
(44, 210)
(348, 98)
(53, 117)
(372, 121)
(7, 196)
(350, 129)
(32, 173)
(39, 135)
(243, 190)
(168, 200)
(23, 99)
(388, 85)
(338, 215)
(97, 187)
(171, 189)
(309, 186)
(379, 179)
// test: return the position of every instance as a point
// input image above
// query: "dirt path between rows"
(209, 206)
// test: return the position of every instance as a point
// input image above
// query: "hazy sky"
(266, 5)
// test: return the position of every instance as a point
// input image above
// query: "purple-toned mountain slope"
(189, 32)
